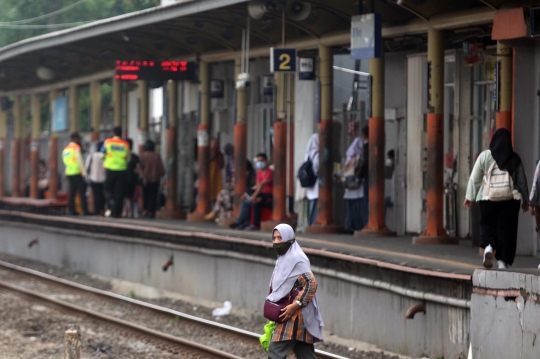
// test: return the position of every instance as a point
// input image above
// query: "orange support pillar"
(325, 221)
(435, 232)
(16, 147)
(172, 210)
(279, 211)
(34, 146)
(144, 98)
(503, 117)
(376, 224)
(3, 128)
(53, 153)
(240, 139)
(203, 141)
(95, 99)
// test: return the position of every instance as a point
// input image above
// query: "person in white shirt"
(96, 176)
(312, 193)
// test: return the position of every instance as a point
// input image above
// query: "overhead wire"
(45, 16)
(22, 27)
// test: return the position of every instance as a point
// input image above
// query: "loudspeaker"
(257, 8)
(298, 10)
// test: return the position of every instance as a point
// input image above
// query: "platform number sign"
(282, 60)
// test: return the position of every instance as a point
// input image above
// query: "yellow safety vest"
(117, 152)
(70, 159)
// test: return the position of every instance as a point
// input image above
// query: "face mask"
(282, 247)
(259, 165)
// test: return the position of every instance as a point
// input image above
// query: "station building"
(451, 73)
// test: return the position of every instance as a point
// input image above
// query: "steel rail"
(185, 344)
(162, 310)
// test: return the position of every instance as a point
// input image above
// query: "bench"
(30, 205)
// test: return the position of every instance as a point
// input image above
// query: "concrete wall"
(349, 310)
(504, 322)
(526, 131)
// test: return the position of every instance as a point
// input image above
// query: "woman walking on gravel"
(302, 322)
(498, 183)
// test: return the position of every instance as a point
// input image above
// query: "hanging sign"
(60, 114)
(306, 69)
(268, 85)
(282, 60)
(366, 36)
(216, 89)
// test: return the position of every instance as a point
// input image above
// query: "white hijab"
(288, 268)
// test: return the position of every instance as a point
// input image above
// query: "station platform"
(394, 253)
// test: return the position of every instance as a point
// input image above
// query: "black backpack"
(306, 175)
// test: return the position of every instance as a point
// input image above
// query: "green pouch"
(267, 336)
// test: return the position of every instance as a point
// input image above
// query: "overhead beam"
(103, 75)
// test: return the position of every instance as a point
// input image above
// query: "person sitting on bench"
(260, 196)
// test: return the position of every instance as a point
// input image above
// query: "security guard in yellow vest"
(117, 154)
(75, 173)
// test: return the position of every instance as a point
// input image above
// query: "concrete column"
(279, 211)
(172, 210)
(504, 112)
(240, 138)
(53, 151)
(203, 143)
(16, 147)
(290, 143)
(3, 169)
(376, 224)
(144, 99)
(435, 233)
(325, 222)
(117, 102)
(74, 123)
(95, 99)
(34, 147)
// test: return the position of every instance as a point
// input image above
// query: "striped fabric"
(294, 327)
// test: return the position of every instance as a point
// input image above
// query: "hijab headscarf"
(312, 151)
(288, 268)
(502, 151)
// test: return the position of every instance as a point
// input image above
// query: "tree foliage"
(88, 10)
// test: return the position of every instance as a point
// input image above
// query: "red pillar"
(34, 168)
(240, 153)
(203, 150)
(172, 210)
(15, 167)
(279, 211)
(53, 167)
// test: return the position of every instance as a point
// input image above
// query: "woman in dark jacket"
(498, 219)
(151, 172)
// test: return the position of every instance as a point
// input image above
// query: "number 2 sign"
(282, 60)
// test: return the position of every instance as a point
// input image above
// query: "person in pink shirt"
(259, 196)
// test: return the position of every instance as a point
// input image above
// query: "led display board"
(132, 70)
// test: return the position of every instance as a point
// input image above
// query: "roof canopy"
(189, 29)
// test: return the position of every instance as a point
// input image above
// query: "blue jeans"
(244, 216)
(353, 214)
(313, 211)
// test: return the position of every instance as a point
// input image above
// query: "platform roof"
(190, 28)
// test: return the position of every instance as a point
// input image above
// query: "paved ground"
(461, 259)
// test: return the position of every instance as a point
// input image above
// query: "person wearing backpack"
(308, 176)
(499, 185)
(354, 195)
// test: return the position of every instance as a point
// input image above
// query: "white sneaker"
(488, 256)
(108, 213)
(502, 265)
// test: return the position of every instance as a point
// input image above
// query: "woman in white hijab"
(312, 193)
(302, 321)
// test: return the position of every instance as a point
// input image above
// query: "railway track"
(104, 299)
